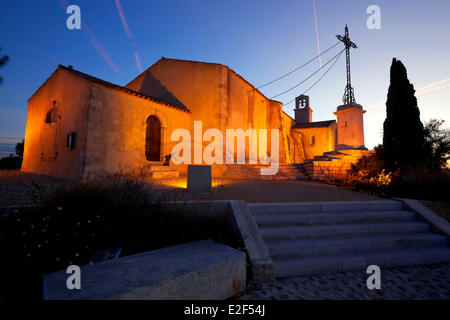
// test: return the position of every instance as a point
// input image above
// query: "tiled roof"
(115, 86)
(317, 124)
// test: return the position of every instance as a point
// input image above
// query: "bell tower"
(303, 113)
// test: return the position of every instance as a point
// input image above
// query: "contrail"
(94, 41)
(138, 61)
(124, 21)
(129, 34)
(99, 47)
(317, 33)
(434, 86)
(50, 55)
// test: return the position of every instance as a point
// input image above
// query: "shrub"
(11, 162)
(417, 182)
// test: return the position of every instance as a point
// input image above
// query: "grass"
(76, 221)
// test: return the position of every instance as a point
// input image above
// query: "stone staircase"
(334, 164)
(311, 238)
(253, 171)
(159, 171)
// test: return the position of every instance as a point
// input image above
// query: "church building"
(79, 126)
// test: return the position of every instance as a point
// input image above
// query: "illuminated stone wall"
(117, 128)
(350, 126)
(324, 140)
(334, 165)
(45, 143)
(217, 96)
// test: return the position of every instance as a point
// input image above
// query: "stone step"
(283, 178)
(248, 171)
(164, 174)
(329, 246)
(230, 172)
(323, 207)
(360, 261)
(342, 230)
(309, 219)
(153, 168)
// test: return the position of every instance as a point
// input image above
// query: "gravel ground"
(22, 188)
(439, 207)
(428, 282)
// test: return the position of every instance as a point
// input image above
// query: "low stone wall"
(333, 165)
(261, 264)
(437, 224)
(194, 271)
(244, 227)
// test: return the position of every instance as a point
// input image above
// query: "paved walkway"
(405, 283)
(24, 188)
(284, 191)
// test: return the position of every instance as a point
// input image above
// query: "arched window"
(153, 139)
(313, 139)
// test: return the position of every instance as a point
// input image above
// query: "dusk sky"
(260, 40)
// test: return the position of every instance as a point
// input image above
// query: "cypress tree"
(403, 132)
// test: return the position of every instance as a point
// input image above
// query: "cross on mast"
(349, 96)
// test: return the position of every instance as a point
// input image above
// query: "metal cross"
(349, 96)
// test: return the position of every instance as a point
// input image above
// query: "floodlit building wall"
(316, 141)
(45, 143)
(117, 131)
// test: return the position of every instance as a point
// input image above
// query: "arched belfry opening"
(153, 139)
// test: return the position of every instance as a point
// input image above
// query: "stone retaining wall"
(334, 165)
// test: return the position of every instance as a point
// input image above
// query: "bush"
(416, 182)
(11, 162)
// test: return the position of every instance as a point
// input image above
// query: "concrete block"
(197, 270)
(199, 178)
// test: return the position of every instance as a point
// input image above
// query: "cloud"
(434, 86)
(129, 34)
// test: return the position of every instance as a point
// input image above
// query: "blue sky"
(260, 40)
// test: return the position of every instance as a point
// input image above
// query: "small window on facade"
(345, 124)
(71, 141)
(313, 139)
